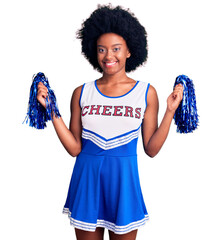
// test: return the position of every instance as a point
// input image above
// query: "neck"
(118, 77)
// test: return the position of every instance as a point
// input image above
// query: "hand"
(175, 98)
(42, 94)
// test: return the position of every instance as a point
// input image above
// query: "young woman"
(106, 118)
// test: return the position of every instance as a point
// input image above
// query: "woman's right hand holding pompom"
(42, 94)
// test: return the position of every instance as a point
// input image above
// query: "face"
(112, 52)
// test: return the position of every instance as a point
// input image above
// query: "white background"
(181, 186)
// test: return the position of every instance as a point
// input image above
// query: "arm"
(70, 138)
(154, 136)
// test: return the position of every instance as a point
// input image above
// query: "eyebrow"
(117, 44)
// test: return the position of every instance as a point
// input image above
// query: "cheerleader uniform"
(105, 189)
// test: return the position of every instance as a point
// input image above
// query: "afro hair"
(106, 19)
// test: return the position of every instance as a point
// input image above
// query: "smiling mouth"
(110, 64)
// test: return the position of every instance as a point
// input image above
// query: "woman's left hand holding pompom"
(175, 98)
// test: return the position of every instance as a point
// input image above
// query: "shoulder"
(77, 91)
(152, 91)
(86, 85)
(152, 95)
(76, 95)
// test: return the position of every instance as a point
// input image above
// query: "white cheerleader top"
(110, 122)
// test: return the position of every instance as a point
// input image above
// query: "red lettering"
(83, 114)
(138, 113)
(127, 111)
(93, 108)
(106, 110)
(117, 110)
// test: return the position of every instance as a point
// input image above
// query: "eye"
(101, 50)
(116, 49)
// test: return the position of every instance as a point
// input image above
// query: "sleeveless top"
(105, 190)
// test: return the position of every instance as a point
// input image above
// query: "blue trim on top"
(117, 96)
(148, 86)
(81, 94)
(91, 147)
(113, 137)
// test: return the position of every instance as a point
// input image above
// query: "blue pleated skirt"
(105, 192)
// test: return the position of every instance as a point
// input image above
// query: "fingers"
(42, 94)
(42, 90)
(179, 87)
(178, 91)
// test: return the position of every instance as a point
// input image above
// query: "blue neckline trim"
(117, 96)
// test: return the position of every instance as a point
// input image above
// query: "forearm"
(158, 138)
(69, 141)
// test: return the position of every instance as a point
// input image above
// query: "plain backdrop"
(181, 185)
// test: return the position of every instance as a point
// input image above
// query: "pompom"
(186, 117)
(37, 115)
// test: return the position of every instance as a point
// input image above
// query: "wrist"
(170, 112)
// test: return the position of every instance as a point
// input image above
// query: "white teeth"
(110, 64)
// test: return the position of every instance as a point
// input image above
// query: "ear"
(128, 54)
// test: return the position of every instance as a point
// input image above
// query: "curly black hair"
(106, 19)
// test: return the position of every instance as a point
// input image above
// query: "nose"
(109, 54)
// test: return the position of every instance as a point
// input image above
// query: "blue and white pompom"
(186, 117)
(37, 115)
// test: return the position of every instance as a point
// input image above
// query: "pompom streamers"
(186, 117)
(37, 115)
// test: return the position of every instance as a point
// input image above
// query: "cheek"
(122, 57)
(125, 53)
(99, 58)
